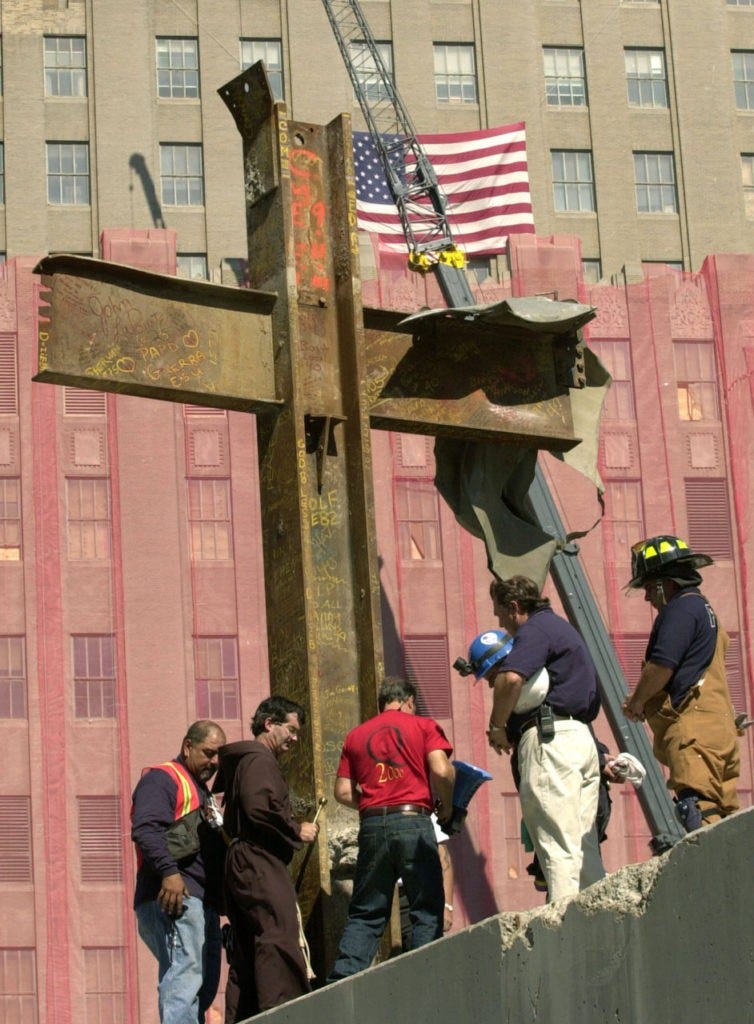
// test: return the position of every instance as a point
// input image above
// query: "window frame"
(565, 90)
(747, 182)
(743, 78)
(697, 392)
(55, 73)
(185, 261)
(175, 75)
(11, 525)
(620, 401)
(13, 678)
(365, 69)
(563, 187)
(94, 690)
(204, 529)
(275, 70)
(452, 82)
(644, 80)
(171, 178)
(417, 521)
(661, 187)
(93, 531)
(211, 686)
(76, 177)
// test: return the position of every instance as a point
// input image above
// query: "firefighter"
(682, 690)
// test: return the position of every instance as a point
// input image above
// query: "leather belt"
(556, 718)
(372, 812)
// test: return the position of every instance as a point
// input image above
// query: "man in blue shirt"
(555, 747)
(178, 891)
(682, 690)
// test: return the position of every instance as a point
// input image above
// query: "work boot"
(688, 810)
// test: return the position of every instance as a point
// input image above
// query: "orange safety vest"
(187, 797)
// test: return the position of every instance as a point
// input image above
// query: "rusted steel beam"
(499, 373)
(321, 567)
(114, 328)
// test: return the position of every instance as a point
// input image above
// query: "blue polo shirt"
(547, 640)
(683, 638)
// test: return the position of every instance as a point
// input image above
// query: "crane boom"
(422, 207)
(418, 197)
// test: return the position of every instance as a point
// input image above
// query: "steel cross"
(298, 350)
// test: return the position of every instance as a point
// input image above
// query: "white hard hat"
(533, 692)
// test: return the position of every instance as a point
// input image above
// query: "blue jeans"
(391, 847)
(188, 950)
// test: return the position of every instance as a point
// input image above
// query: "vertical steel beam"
(320, 558)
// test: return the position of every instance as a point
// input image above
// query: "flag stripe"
(483, 174)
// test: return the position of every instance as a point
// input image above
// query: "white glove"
(626, 768)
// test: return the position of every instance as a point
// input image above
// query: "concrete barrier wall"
(670, 941)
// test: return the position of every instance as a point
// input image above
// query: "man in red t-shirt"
(394, 768)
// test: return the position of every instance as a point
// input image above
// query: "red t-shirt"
(387, 757)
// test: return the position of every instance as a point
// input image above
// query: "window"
(271, 52)
(455, 73)
(178, 69)
(573, 181)
(743, 78)
(181, 175)
(104, 985)
(10, 519)
(418, 521)
(654, 174)
(592, 271)
(100, 839)
(192, 266)
(615, 356)
(367, 74)
(209, 517)
(740, 3)
(708, 517)
(94, 676)
(12, 677)
(565, 85)
(624, 518)
(88, 518)
(747, 180)
(696, 380)
(65, 66)
(68, 173)
(217, 693)
(18, 986)
(15, 840)
(645, 78)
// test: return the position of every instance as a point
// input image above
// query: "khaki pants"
(698, 741)
(559, 790)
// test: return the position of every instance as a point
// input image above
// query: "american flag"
(484, 176)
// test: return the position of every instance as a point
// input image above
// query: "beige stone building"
(639, 114)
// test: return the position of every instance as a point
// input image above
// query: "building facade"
(131, 578)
